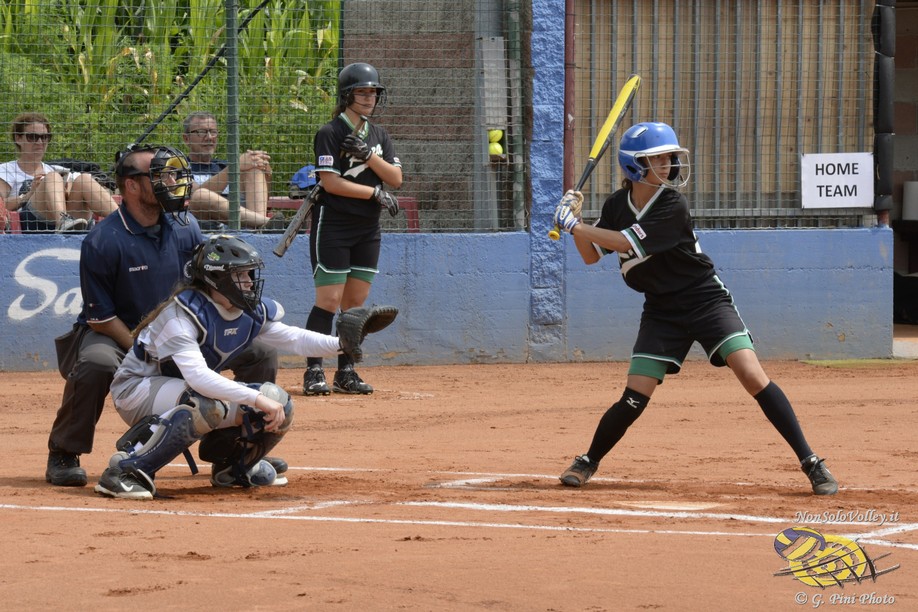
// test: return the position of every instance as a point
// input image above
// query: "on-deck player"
(345, 237)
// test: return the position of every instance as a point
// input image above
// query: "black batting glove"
(356, 148)
(386, 199)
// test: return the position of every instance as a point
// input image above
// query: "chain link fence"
(108, 73)
(750, 85)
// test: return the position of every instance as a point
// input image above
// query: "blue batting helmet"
(648, 139)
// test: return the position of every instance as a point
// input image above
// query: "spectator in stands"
(48, 198)
(211, 176)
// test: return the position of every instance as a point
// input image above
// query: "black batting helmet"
(358, 75)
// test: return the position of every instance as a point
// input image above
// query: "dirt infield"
(440, 492)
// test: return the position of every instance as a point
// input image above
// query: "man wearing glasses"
(129, 262)
(209, 199)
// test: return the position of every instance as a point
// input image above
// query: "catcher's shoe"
(314, 381)
(64, 470)
(123, 485)
(581, 470)
(347, 381)
(822, 480)
(261, 474)
(280, 466)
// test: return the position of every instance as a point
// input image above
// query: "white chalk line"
(661, 481)
(280, 515)
(331, 519)
(289, 513)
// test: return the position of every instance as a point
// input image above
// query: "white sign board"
(837, 180)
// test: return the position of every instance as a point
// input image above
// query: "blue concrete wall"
(468, 298)
(804, 294)
(516, 297)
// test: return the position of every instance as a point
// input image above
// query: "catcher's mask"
(170, 175)
(647, 140)
(232, 267)
(357, 76)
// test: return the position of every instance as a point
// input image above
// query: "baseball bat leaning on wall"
(305, 209)
(621, 106)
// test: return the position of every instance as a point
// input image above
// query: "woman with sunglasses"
(48, 198)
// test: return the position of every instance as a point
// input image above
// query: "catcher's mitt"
(355, 323)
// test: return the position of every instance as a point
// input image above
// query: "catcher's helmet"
(218, 262)
(170, 174)
(355, 76)
(648, 139)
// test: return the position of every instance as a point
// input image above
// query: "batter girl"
(648, 224)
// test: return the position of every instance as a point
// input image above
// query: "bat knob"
(554, 234)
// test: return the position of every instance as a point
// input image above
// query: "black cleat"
(822, 480)
(280, 466)
(347, 381)
(123, 485)
(64, 470)
(580, 472)
(314, 381)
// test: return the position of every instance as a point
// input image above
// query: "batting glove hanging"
(356, 148)
(386, 199)
(565, 218)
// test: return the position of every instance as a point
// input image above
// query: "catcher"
(169, 389)
(648, 224)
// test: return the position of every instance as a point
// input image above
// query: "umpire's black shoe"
(822, 480)
(347, 381)
(314, 381)
(64, 470)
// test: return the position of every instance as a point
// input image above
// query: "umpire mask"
(170, 175)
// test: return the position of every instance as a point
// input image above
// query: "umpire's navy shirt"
(126, 270)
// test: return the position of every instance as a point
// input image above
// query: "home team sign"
(837, 180)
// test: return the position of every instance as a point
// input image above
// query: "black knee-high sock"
(615, 422)
(344, 362)
(320, 321)
(777, 408)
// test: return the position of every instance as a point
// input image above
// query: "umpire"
(129, 262)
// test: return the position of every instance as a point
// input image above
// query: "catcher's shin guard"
(155, 441)
(240, 448)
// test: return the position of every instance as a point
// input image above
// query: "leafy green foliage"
(104, 70)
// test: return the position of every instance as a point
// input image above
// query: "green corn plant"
(108, 68)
